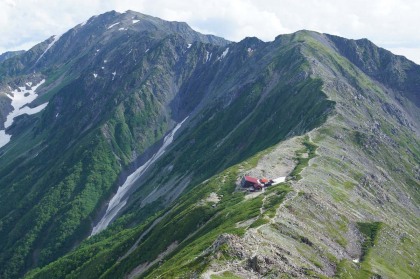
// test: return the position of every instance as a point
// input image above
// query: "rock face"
(339, 118)
(248, 263)
(10, 54)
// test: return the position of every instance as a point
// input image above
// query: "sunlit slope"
(338, 117)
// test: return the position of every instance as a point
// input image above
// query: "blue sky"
(392, 24)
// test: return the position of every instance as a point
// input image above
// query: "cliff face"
(154, 124)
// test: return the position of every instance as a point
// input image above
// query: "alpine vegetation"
(134, 147)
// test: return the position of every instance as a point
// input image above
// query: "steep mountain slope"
(357, 202)
(333, 115)
(104, 108)
(345, 214)
(10, 54)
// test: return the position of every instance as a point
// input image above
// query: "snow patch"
(113, 74)
(4, 138)
(95, 75)
(105, 61)
(356, 260)
(223, 54)
(119, 200)
(34, 110)
(147, 50)
(83, 23)
(56, 38)
(135, 21)
(122, 29)
(112, 25)
(189, 45)
(21, 97)
(208, 56)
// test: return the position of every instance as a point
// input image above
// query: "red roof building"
(249, 181)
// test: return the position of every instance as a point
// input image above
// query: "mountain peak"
(139, 22)
(143, 129)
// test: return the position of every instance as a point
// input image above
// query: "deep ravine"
(119, 200)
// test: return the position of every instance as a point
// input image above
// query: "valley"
(123, 151)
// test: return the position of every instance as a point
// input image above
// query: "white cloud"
(391, 24)
(410, 53)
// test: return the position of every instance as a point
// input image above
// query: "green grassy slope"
(264, 113)
(192, 223)
(349, 207)
(56, 174)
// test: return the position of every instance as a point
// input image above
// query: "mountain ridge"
(304, 96)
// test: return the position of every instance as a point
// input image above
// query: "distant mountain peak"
(9, 54)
